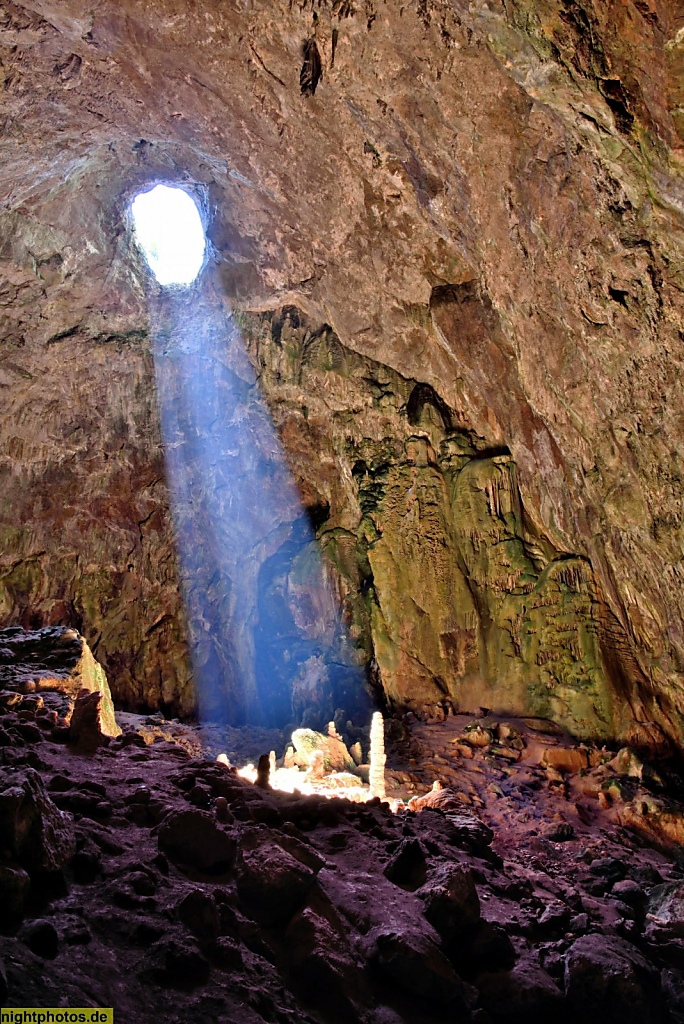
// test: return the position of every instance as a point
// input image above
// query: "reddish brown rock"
(303, 924)
(42, 939)
(666, 909)
(323, 963)
(14, 889)
(475, 376)
(271, 883)
(565, 759)
(451, 903)
(407, 865)
(33, 830)
(439, 798)
(413, 962)
(199, 912)
(86, 728)
(56, 660)
(607, 975)
(184, 966)
(194, 838)
(524, 993)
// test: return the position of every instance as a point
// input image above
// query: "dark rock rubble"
(138, 876)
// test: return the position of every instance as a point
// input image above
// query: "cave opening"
(169, 230)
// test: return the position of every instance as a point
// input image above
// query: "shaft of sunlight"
(263, 611)
(262, 605)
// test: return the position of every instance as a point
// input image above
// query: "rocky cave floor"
(543, 883)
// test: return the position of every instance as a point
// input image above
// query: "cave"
(341, 531)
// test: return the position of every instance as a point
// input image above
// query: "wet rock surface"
(276, 906)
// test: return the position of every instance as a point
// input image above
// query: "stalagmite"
(377, 756)
(263, 772)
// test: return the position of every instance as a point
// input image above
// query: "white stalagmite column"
(377, 756)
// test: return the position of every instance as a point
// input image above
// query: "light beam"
(262, 605)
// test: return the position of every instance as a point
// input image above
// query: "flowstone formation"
(446, 246)
(447, 584)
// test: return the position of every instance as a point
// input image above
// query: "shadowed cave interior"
(341, 519)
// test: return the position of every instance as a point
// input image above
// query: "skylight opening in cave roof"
(170, 233)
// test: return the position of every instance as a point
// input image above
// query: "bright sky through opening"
(170, 233)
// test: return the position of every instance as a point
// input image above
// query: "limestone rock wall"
(482, 201)
(447, 585)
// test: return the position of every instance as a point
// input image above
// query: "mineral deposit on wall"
(447, 240)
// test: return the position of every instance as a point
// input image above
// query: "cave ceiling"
(447, 242)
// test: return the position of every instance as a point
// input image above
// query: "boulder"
(307, 744)
(302, 852)
(14, 889)
(631, 893)
(407, 866)
(448, 816)
(33, 830)
(525, 993)
(628, 762)
(510, 736)
(607, 979)
(271, 883)
(579, 924)
(452, 905)
(468, 832)
(659, 818)
(477, 736)
(54, 658)
(613, 869)
(142, 883)
(226, 954)
(438, 798)
(673, 991)
(490, 948)
(322, 963)
(559, 832)
(184, 966)
(87, 726)
(554, 918)
(666, 909)
(565, 759)
(199, 912)
(41, 938)
(411, 960)
(194, 838)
